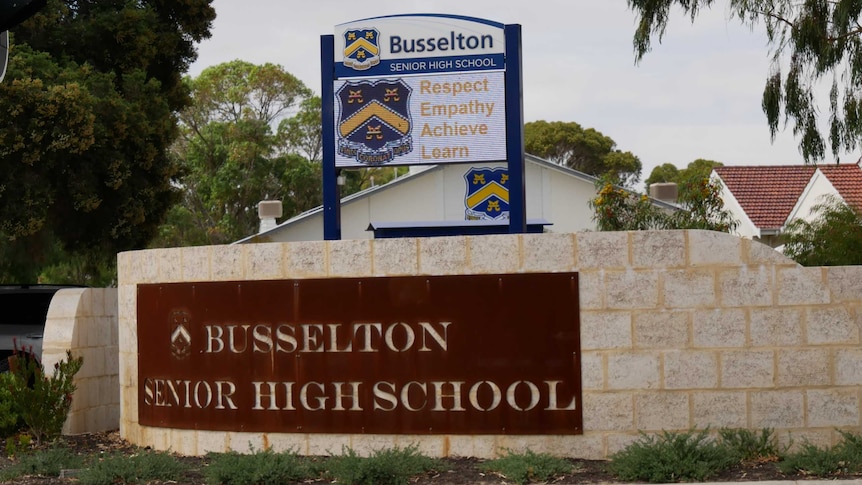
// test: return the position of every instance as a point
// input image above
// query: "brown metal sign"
(482, 354)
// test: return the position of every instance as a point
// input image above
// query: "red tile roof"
(767, 194)
(847, 180)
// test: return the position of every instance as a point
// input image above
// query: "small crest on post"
(361, 48)
(487, 196)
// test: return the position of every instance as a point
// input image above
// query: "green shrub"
(812, 460)
(54, 394)
(671, 457)
(528, 467)
(259, 467)
(850, 450)
(46, 463)
(19, 443)
(145, 466)
(10, 420)
(392, 466)
(749, 445)
(832, 238)
(845, 457)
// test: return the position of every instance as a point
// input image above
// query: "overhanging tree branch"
(818, 38)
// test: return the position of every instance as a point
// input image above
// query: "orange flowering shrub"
(700, 207)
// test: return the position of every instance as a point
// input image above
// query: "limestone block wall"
(84, 320)
(679, 330)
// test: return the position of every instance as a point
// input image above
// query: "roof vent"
(268, 211)
(664, 191)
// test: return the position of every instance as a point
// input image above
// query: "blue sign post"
(421, 90)
(515, 131)
(331, 195)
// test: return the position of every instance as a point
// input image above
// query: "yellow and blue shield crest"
(361, 48)
(375, 123)
(487, 194)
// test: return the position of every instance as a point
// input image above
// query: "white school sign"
(419, 89)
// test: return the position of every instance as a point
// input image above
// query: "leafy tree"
(666, 172)
(231, 156)
(252, 133)
(87, 110)
(832, 238)
(699, 169)
(180, 228)
(302, 182)
(624, 167)
(586, 150)
(303, 133)
(701, 207)
(810, 41)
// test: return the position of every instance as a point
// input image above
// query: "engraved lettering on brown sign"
(418, 354)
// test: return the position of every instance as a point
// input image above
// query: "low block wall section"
(679, 330)
(84, 320)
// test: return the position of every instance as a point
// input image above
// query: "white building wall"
(568, 203)
(813, 195)
(306, 229)
(746, 228)
(552, 194)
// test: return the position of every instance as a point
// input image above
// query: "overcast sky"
(696, 95)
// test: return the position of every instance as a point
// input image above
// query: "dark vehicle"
(23, 309)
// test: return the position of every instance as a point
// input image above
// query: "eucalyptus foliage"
(810, 42)
(584, 149)
(699, 169)
(232, 153)
(252, 133)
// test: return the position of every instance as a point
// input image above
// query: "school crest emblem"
(374, 124)
(181, 339)
(487, 194)
(361, 48)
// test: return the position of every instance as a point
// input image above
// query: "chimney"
(664, 191)
(268, 211)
